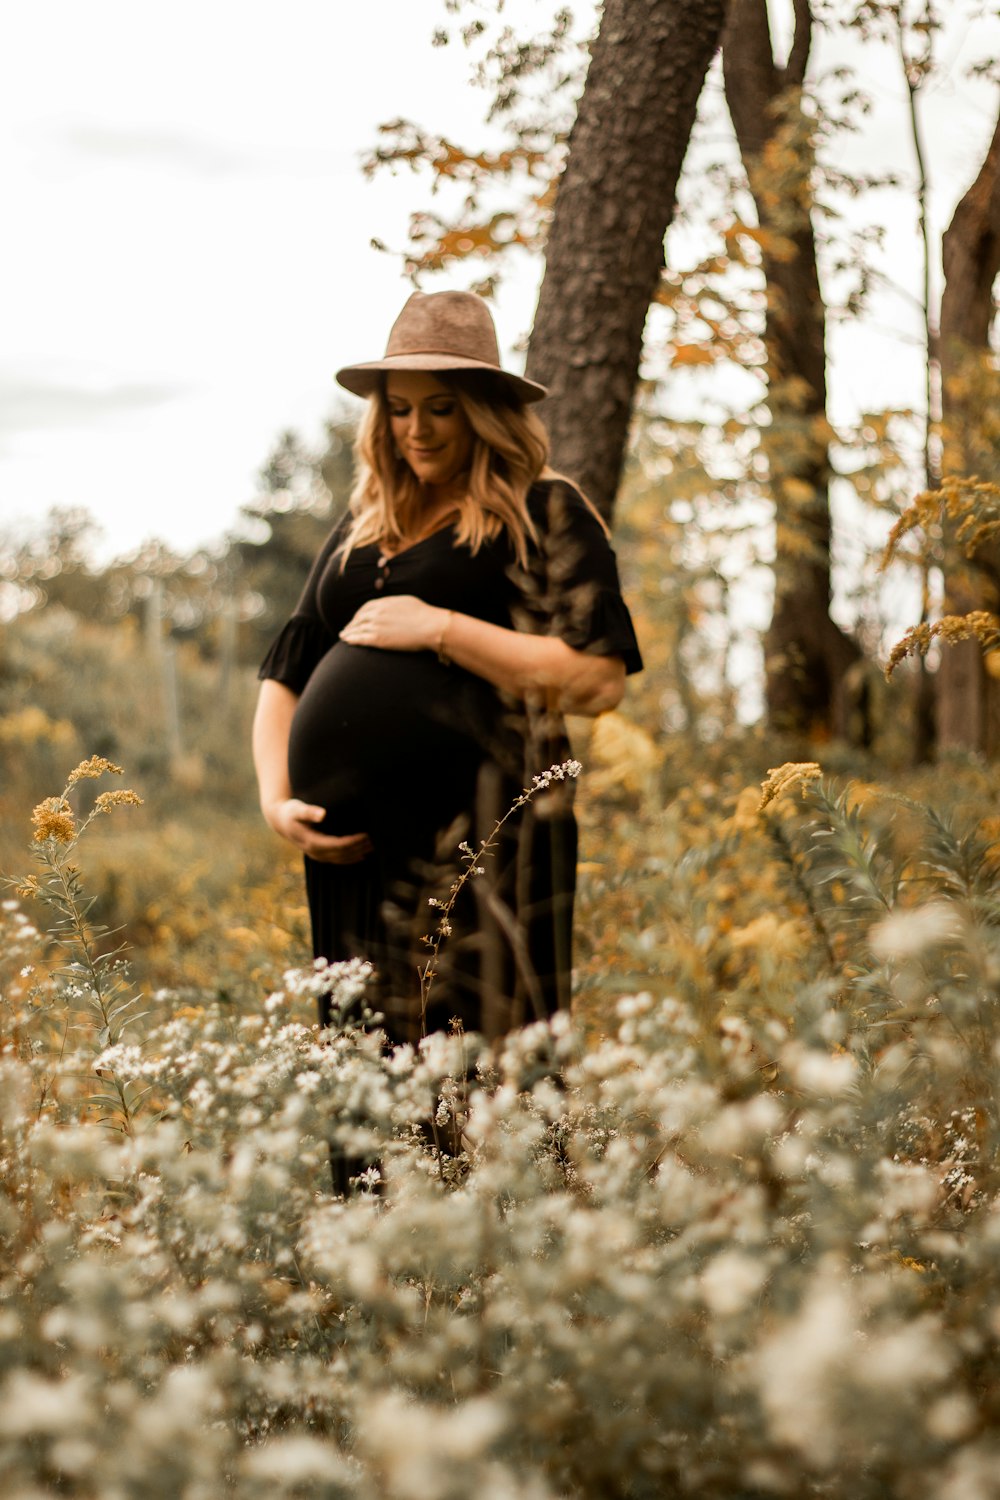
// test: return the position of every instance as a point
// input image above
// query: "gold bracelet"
(443, 656)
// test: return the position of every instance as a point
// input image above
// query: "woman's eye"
(442, 411)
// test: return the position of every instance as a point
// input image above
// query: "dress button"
(380, 583)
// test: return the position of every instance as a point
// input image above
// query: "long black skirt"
(508, 957)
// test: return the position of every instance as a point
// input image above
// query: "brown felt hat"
(439, 331)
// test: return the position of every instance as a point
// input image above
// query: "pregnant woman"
(467, 599)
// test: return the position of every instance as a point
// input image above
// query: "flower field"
(734, 1233)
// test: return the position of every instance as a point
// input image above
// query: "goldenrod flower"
(969, 504)
(121, 797)
(53, 819)
(781, 778)
(979, 624)
(95, 766)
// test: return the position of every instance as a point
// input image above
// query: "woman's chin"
(434, 476)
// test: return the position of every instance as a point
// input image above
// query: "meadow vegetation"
(730, 1232)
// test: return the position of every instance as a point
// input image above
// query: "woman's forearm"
(525, 664)
(513, 660)
(294, 820)
(271, 726)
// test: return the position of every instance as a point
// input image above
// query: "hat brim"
(363, 380)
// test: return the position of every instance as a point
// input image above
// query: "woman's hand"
(293, 819)
(400, 623)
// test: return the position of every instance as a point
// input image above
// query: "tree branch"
(794, 72)
(752, 80)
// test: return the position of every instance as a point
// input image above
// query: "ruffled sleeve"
(572, 589)
(296, 652)
(604, 626)
(305, 640)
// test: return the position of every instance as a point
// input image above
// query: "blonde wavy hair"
(510, 449)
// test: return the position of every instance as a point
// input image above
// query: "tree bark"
(967, 694)
(614, 202)
(811, 687)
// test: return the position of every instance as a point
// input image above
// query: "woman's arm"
(513, 660)
(288, 815)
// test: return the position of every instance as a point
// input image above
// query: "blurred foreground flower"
(903, 934)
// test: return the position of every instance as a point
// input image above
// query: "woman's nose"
(419, 422)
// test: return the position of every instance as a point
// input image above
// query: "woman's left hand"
(400, 623)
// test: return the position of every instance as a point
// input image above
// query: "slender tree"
(808, 658)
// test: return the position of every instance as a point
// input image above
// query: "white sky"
(186, 256)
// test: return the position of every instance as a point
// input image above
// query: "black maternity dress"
(421, 755)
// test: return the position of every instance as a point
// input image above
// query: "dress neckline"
(388, 557)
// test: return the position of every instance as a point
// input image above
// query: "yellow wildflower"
(970, 505)
(781, 778)
(53, 819)
(121, 797)
(95, 766)
(28, 887)
(979, 624)
(768, 933)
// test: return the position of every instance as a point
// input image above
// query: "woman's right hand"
(293, 819)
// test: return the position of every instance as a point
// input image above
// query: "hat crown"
(441, 333)
(450, 323)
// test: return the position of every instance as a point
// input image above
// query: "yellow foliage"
(693, 354)
(780, 939)
(622, 755)
(32, 726)
(745, 814)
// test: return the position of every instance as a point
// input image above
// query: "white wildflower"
(915, 1355)
(30, 1404)
(952, 1417)
(911, 931)
(416, 1447)
(799, 1366)
(738, 1128)
(731, 1280)
(814, 1072)
(907, 1188)
(290, 1461)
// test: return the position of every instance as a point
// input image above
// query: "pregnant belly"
(380, 734)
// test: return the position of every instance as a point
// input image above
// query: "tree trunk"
(967, 694)
(811, 688)
(614, 203)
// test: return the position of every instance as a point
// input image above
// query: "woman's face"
(429, 427)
